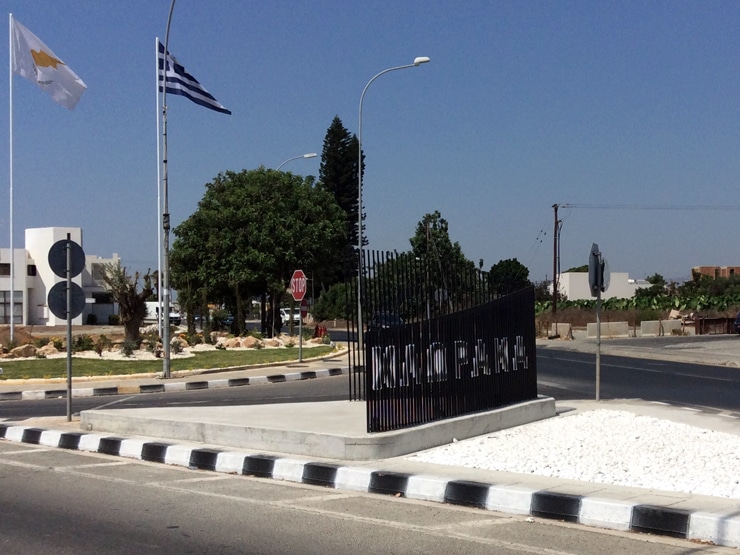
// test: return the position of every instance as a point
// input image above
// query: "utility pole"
(555, 262)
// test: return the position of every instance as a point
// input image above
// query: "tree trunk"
(131, 329)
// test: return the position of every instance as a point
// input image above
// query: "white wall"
(574, 285)
(35, 289)
(38, 243)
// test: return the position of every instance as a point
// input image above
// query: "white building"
(574, 285)
(34, 279)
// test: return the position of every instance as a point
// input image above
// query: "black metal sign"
(429, 355)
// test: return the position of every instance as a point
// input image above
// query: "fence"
(438, 343)
(711, 326)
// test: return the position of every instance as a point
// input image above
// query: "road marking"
(552, 384)
(651, 370)
(117, 401)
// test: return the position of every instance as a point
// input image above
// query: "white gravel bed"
(609, 447)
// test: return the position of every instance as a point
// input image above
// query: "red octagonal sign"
(298, 285)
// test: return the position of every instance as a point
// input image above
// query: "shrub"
(41, 341)
(176, 347)
(92, 319)
(219, 317)
(114, 320)
(58, 343)
(326, 340)
(82, 343)
(103, 344)
(128, 347)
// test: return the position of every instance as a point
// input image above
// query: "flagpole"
(159, 193)
(10, 164)
(165, 211)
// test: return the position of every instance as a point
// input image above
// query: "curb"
(37, 394)
(716, 528)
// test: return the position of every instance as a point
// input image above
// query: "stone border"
(165, 387)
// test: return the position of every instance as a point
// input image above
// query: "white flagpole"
(10, 120)
(159, 198)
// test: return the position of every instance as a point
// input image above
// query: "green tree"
(332, 304)
(131, 302)
(443, 261)
(338, 174)
(188, 277)
(508, 276)
(251, 230)
(653, 296)
(432, 241)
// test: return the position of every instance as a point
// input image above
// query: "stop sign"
(298, 285)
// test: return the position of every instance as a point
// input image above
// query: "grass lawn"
(46, 368)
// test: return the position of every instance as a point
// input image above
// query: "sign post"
(298, 290)
(67, 299)
(598, 281)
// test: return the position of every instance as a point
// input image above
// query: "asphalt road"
(563, 375)
(572, 375)
(64, 502)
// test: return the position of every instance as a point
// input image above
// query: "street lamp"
(417, 62)
(309, 155)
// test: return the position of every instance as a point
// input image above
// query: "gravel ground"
(607, 446)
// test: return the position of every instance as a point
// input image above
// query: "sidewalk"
(161, 435)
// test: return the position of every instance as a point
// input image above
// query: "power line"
(651, 207)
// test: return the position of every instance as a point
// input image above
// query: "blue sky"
(627, 111)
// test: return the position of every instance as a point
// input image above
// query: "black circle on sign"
(58, 300)
(58, 258)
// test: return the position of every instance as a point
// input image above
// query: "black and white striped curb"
(717, 528)
(166, 386)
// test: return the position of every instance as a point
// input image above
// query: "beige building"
(716, 271)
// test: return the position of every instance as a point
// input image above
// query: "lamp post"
(309, 155)
(417, 62)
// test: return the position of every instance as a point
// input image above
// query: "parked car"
(384, 320)
(286, 317)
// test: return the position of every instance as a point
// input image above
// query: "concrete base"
(609, 329)
(331, 430)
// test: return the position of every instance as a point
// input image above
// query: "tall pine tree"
(338, 174)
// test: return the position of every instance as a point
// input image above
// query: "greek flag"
(181, 82)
